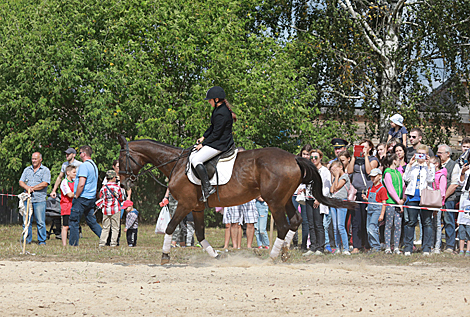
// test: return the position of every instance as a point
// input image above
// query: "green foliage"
(83, 72)
(352, 67)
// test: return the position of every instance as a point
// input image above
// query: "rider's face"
(212, 102)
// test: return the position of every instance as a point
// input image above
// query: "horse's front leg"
(200, 233)
(179, 215)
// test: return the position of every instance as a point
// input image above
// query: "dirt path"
(246, 287)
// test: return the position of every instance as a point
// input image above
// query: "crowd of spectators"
(387, 181)
(393, 173)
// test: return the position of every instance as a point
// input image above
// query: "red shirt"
(65, 201)
(381, 195)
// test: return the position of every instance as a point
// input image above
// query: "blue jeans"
(338, 216)
(39, 213)
(260, 226)
(82, 206)
(426, 220)
(449, 225)
(373, 215)
(303, 214)
(326, 225)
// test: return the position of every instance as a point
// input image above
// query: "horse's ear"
(122, 141)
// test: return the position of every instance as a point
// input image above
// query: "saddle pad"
(224, 168)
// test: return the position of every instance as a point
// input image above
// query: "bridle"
(133, 177)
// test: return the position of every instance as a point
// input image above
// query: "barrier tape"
(414, 207)
(9, 195)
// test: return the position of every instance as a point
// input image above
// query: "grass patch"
(149, 244)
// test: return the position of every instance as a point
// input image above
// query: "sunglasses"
(314, 157)
(413, 137)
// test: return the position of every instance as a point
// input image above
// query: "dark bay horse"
(271, 173)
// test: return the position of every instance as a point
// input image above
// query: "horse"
(271, 173)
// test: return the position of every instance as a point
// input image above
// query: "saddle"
(211, 165)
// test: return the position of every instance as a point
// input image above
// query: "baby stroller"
(53, 212)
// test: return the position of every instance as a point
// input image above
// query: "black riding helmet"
(215, 92)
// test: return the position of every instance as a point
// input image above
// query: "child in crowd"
(464, 217)
(345, 158)
(339, 189)
(397, 129)
(441, 184)
(375, 213)
(112, 196)
(393, 182)
(132, 223)
(66, 187)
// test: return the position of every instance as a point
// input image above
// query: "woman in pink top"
(400, 150)
(440, 183)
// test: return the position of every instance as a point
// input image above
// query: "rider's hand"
(164, 202)
(200, 140)
(198, 147)
(53, 195)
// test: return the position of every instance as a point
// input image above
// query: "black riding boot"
(207, 188)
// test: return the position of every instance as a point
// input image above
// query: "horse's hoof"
(165, 258)
(285, 254)
(221, 256)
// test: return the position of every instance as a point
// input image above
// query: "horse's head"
(130, 164)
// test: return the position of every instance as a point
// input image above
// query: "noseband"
(133, 177)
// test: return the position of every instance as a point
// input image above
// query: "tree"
(83, 72)
(381, 57)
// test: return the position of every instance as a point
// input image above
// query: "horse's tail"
(311, 176)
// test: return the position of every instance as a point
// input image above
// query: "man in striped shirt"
(112, 195)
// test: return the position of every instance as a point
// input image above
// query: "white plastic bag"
(163, 220)
(301, 199)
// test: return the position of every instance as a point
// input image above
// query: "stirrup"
(204, 197)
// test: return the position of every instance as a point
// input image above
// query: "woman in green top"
(393, 182)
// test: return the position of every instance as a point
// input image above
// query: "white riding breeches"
(203, 155)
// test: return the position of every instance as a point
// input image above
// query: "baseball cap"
(375, 172)
(70, 150)
(127, 203)
(110, 174)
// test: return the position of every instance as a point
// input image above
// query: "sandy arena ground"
(233, 286)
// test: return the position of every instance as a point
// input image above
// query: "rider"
(217, 138)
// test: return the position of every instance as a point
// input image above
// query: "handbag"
(163, 219)
(431, 198)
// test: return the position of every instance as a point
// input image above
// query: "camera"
(463, 159)
(420, 156)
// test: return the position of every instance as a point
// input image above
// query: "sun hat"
(397, 119)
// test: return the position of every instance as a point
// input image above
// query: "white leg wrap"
(288, 239)
(276, 248)
(206, 246)
(166, 244)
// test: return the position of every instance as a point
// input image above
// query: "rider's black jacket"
(219, 135)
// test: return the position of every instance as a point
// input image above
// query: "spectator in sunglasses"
(416, 136)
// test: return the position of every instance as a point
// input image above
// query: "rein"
(133, 177)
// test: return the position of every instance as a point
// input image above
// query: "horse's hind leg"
(279, 215)
(295, 221)
(200, 233)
